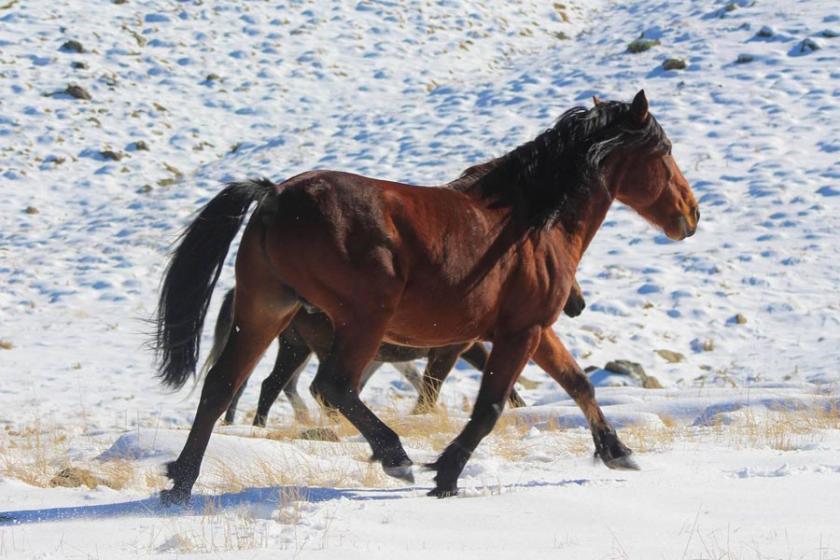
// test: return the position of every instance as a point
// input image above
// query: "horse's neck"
(591, 215)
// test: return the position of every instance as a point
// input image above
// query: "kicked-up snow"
(119, 119)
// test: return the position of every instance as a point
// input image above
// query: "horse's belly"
(421, 319)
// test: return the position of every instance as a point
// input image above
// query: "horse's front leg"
(553, 357)
(509, 355)
(476, 355)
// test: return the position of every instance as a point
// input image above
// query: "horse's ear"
(639, 107)
(596, 100)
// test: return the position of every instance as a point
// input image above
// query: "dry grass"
(784, 429)
(39, 455)
(217, 532)
(33, 454)
(36, 454)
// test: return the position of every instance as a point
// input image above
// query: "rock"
(744, 58)
(731, 7)
(145, 189)
(31, 210)
(212, 77)
(739, 319)
(670, 356)
(174, 170)
(112, 155)
(650, 382)
(319, 434)
(705, 345)
(73, 477)
(635, 371)
(674, 64)
(72, 46)
(765, 31)
(590, 369)
(79, 65)
(641, 45)
(829, 34)
(138, 146)
(118, 2)
(78, 92)
(6, 345)
(626, 367)
(807, 46)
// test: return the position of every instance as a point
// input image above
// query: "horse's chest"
(539, 291)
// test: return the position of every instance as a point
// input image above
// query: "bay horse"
(312, 331)
(490, 256)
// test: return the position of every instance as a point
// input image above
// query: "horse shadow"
(261, 500)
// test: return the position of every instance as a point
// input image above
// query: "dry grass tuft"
(784, 429)
(39, 455)
(218, 532)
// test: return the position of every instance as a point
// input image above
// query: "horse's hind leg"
(553, 357)
(411, 374)
(299, 408)
(292, 356)
(441, 361)
(510, 354)
(256, 325)
(476, 355)
(368, 372)
(337, 385)
(230, 414)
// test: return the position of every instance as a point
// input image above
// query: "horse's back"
(336, 237)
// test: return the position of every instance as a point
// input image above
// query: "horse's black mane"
(545, 180)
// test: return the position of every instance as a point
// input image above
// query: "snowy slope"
(417, 91)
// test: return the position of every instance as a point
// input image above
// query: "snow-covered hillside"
(741, 323)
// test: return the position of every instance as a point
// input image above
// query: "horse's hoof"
(625, 463)
(174, 497)
(439, 492)
(402, 472)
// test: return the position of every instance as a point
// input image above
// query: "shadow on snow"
(270, 497)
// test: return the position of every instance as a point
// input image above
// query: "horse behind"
(490, 256)
(311, 331)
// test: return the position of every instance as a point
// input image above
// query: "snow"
(736, 461)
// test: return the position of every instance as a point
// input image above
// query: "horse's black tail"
(191, 276)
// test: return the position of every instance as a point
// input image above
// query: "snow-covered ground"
(740, 453)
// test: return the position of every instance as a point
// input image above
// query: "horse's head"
(646, 177)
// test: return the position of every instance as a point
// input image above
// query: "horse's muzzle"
(685, 225)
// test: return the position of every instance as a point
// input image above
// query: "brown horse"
(490, 257)
(312, 332)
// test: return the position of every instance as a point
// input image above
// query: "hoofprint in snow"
(740, 453)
